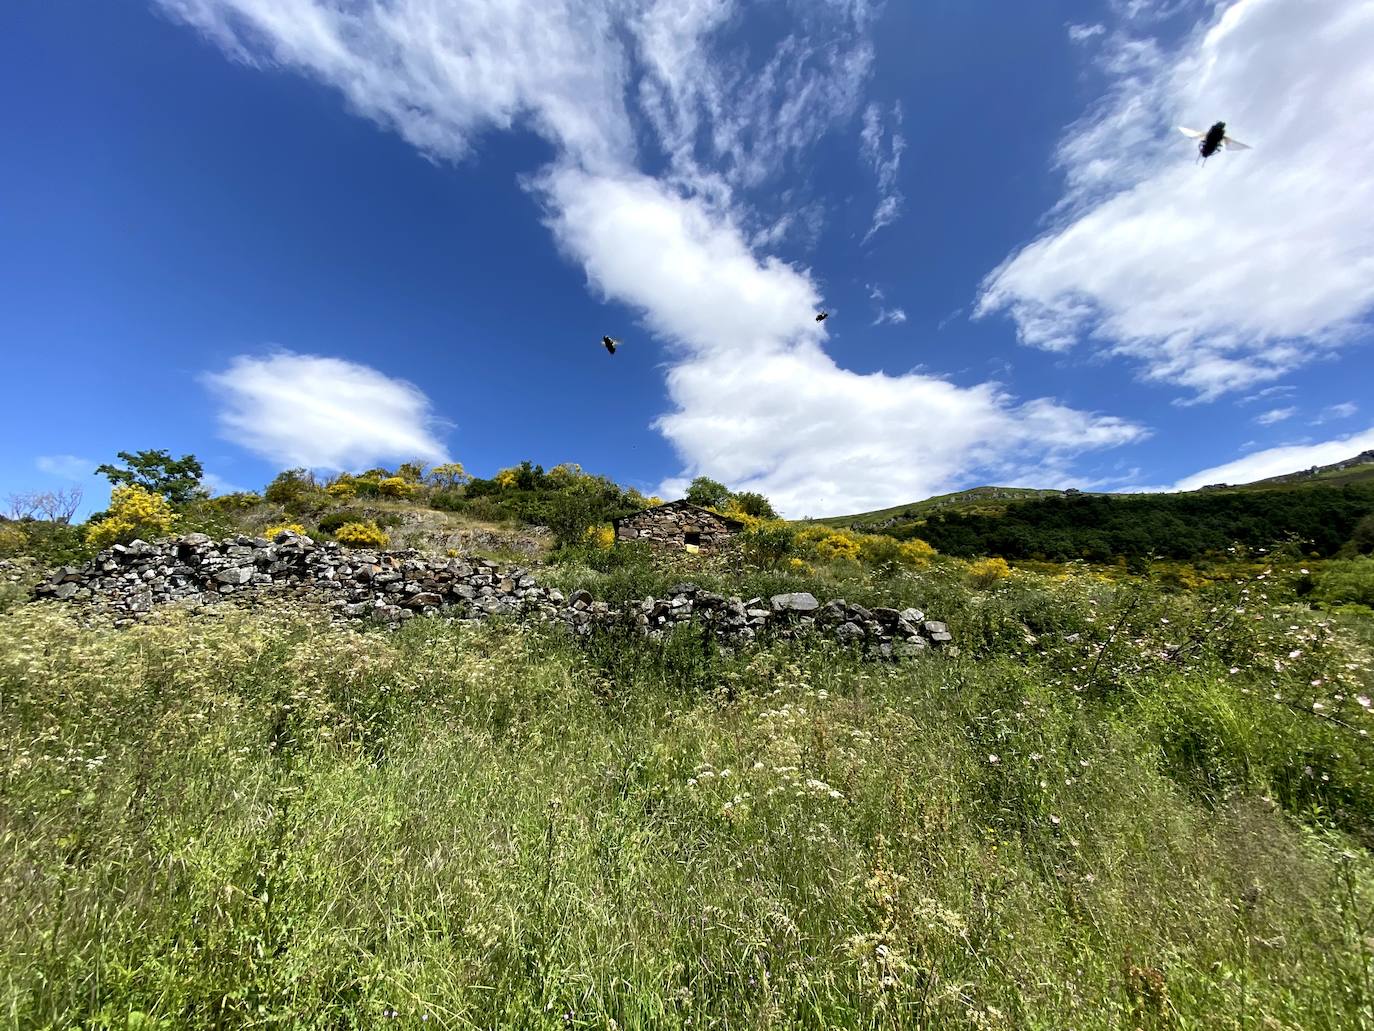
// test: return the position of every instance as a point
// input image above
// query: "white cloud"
(1083, 33)
(66, 467)
(755, 399)
(217, 484)
(886, 162)
(1276, 415)
(757, 402)
(885, 315)
(1282, 390)
(1277, 461)
(1220, 277)
(314, 412)
(1331, 413)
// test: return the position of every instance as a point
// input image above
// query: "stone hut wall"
(668, 526)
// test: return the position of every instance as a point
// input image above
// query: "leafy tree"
(708, 493)
(574, 511)
(1362, 539)
(176, 479)
(753, 504)
(293, 489)
(448, 476)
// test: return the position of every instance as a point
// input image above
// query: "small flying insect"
(1212, 140)
(823, 316)
(610, 343)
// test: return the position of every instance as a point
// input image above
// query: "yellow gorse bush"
(600, 537)
(837, 546)
(988, 571)
(134, 512)
(343, 490)
(829, 544)
(272, 531)
(362, 535)
(12, 539)
(505, 479)
(397, 487)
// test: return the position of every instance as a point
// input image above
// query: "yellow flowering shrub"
(12, 539)
(796, 565)
(837, 546)
(272, 531)
(134, 512)
(342, 490)
(397, 487)
(749, 522)
(600, 537)
(505, 479)
(988, 571)
(915, 554)
(362, 535)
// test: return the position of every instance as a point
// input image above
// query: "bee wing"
(1193, 133)
(1234, 144)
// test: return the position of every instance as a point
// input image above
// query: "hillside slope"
(1319, 506)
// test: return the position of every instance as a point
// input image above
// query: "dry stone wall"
(128, 581)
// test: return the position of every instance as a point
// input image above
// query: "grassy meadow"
(1112, 806)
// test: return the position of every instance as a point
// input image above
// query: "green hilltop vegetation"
(1319, 509)
(1133, 795)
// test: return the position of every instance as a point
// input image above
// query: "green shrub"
(294, 490)
(1346, 582)
(330, 523)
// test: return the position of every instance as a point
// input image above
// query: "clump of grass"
(1088, 817)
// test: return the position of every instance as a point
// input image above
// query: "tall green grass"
(1084, 819)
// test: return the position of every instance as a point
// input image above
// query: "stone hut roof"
(734, 524)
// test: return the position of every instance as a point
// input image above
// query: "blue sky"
(299, 232)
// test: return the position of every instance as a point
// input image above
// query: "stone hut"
(678, 525)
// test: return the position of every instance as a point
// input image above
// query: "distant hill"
(1320, 506)
(988, 500)
(1359, 469)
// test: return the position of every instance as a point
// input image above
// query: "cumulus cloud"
(66, 467)
(302, 410)
(1274, 415)
(1277, 461)
(755, 400)
(1218, 278)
